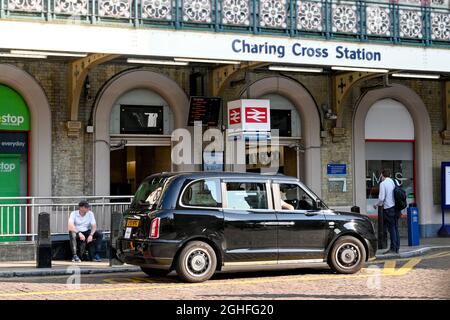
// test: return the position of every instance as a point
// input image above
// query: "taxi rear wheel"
(197, 262)
(347, 255)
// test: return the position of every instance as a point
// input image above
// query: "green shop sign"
(14, 113)
(9, 187)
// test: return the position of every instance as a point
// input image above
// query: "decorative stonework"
(236, 12)
(197, 11)
(344, 18)
(410, 24)
(157, 9)
(309, 15)
(378, 21)
(440, 4)
(25, 5)
(440, 26)
(273, 13)
(71, 7)
(114, 8)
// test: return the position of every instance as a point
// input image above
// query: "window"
(202, 193)
(396, 156)
(243, 195)
(292, 197)
(150, 191)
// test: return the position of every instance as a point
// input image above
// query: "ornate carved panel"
(378, 21)
(273, 13)
(410, 24)
(344, 18)
(197, 11)
(309, 15)
(114, 8)
(236, 12)
(157, 9)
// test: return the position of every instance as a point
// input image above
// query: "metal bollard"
(44, 242)
(382, 237)
(116, 219)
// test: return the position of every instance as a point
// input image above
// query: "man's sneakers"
(97, 258)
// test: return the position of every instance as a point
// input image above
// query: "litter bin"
(413, 225)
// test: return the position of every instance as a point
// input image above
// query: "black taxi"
(203, 222)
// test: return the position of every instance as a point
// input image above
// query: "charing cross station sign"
(212, 45)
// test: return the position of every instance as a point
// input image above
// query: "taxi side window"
(292, 197)
(244, 195)
(202, 193)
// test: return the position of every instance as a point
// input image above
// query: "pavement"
(10, 269)
(425, 246)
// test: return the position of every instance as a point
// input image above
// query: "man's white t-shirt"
(82, 223)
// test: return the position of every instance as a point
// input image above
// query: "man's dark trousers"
(391, 217)
(94, 247)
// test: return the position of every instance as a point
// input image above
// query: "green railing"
(399, 22)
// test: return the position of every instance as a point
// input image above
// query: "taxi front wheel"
(347, 255)
(197, 262)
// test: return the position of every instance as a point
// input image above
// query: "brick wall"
(72, 157)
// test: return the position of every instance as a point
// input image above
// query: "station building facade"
(62, 127)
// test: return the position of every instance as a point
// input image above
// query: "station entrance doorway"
(130, 165)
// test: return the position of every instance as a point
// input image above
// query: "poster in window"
(281, 120)
(401, 170)
(141, 119)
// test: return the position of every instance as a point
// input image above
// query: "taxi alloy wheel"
(347, 255)
(197, 262)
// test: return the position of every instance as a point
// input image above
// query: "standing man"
(390, 216)
(82, 226)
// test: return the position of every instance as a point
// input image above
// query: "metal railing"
(18, 215)
(422, 22)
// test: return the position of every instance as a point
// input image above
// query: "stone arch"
(309, 116)
(423, 144)
(41, 134)
(168, 89)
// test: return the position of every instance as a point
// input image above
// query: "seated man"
(82, 226)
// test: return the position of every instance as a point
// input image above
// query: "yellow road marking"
(389, 270)
(389, 267)
(180, 285)
(430, 256)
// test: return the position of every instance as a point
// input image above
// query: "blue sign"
(13, 142)
(212, 161)
(336, 168)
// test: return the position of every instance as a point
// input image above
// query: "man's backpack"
(399, 197)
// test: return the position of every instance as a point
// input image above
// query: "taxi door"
(302, 227)
(250, 223)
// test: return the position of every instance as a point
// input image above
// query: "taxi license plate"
(132, 223)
